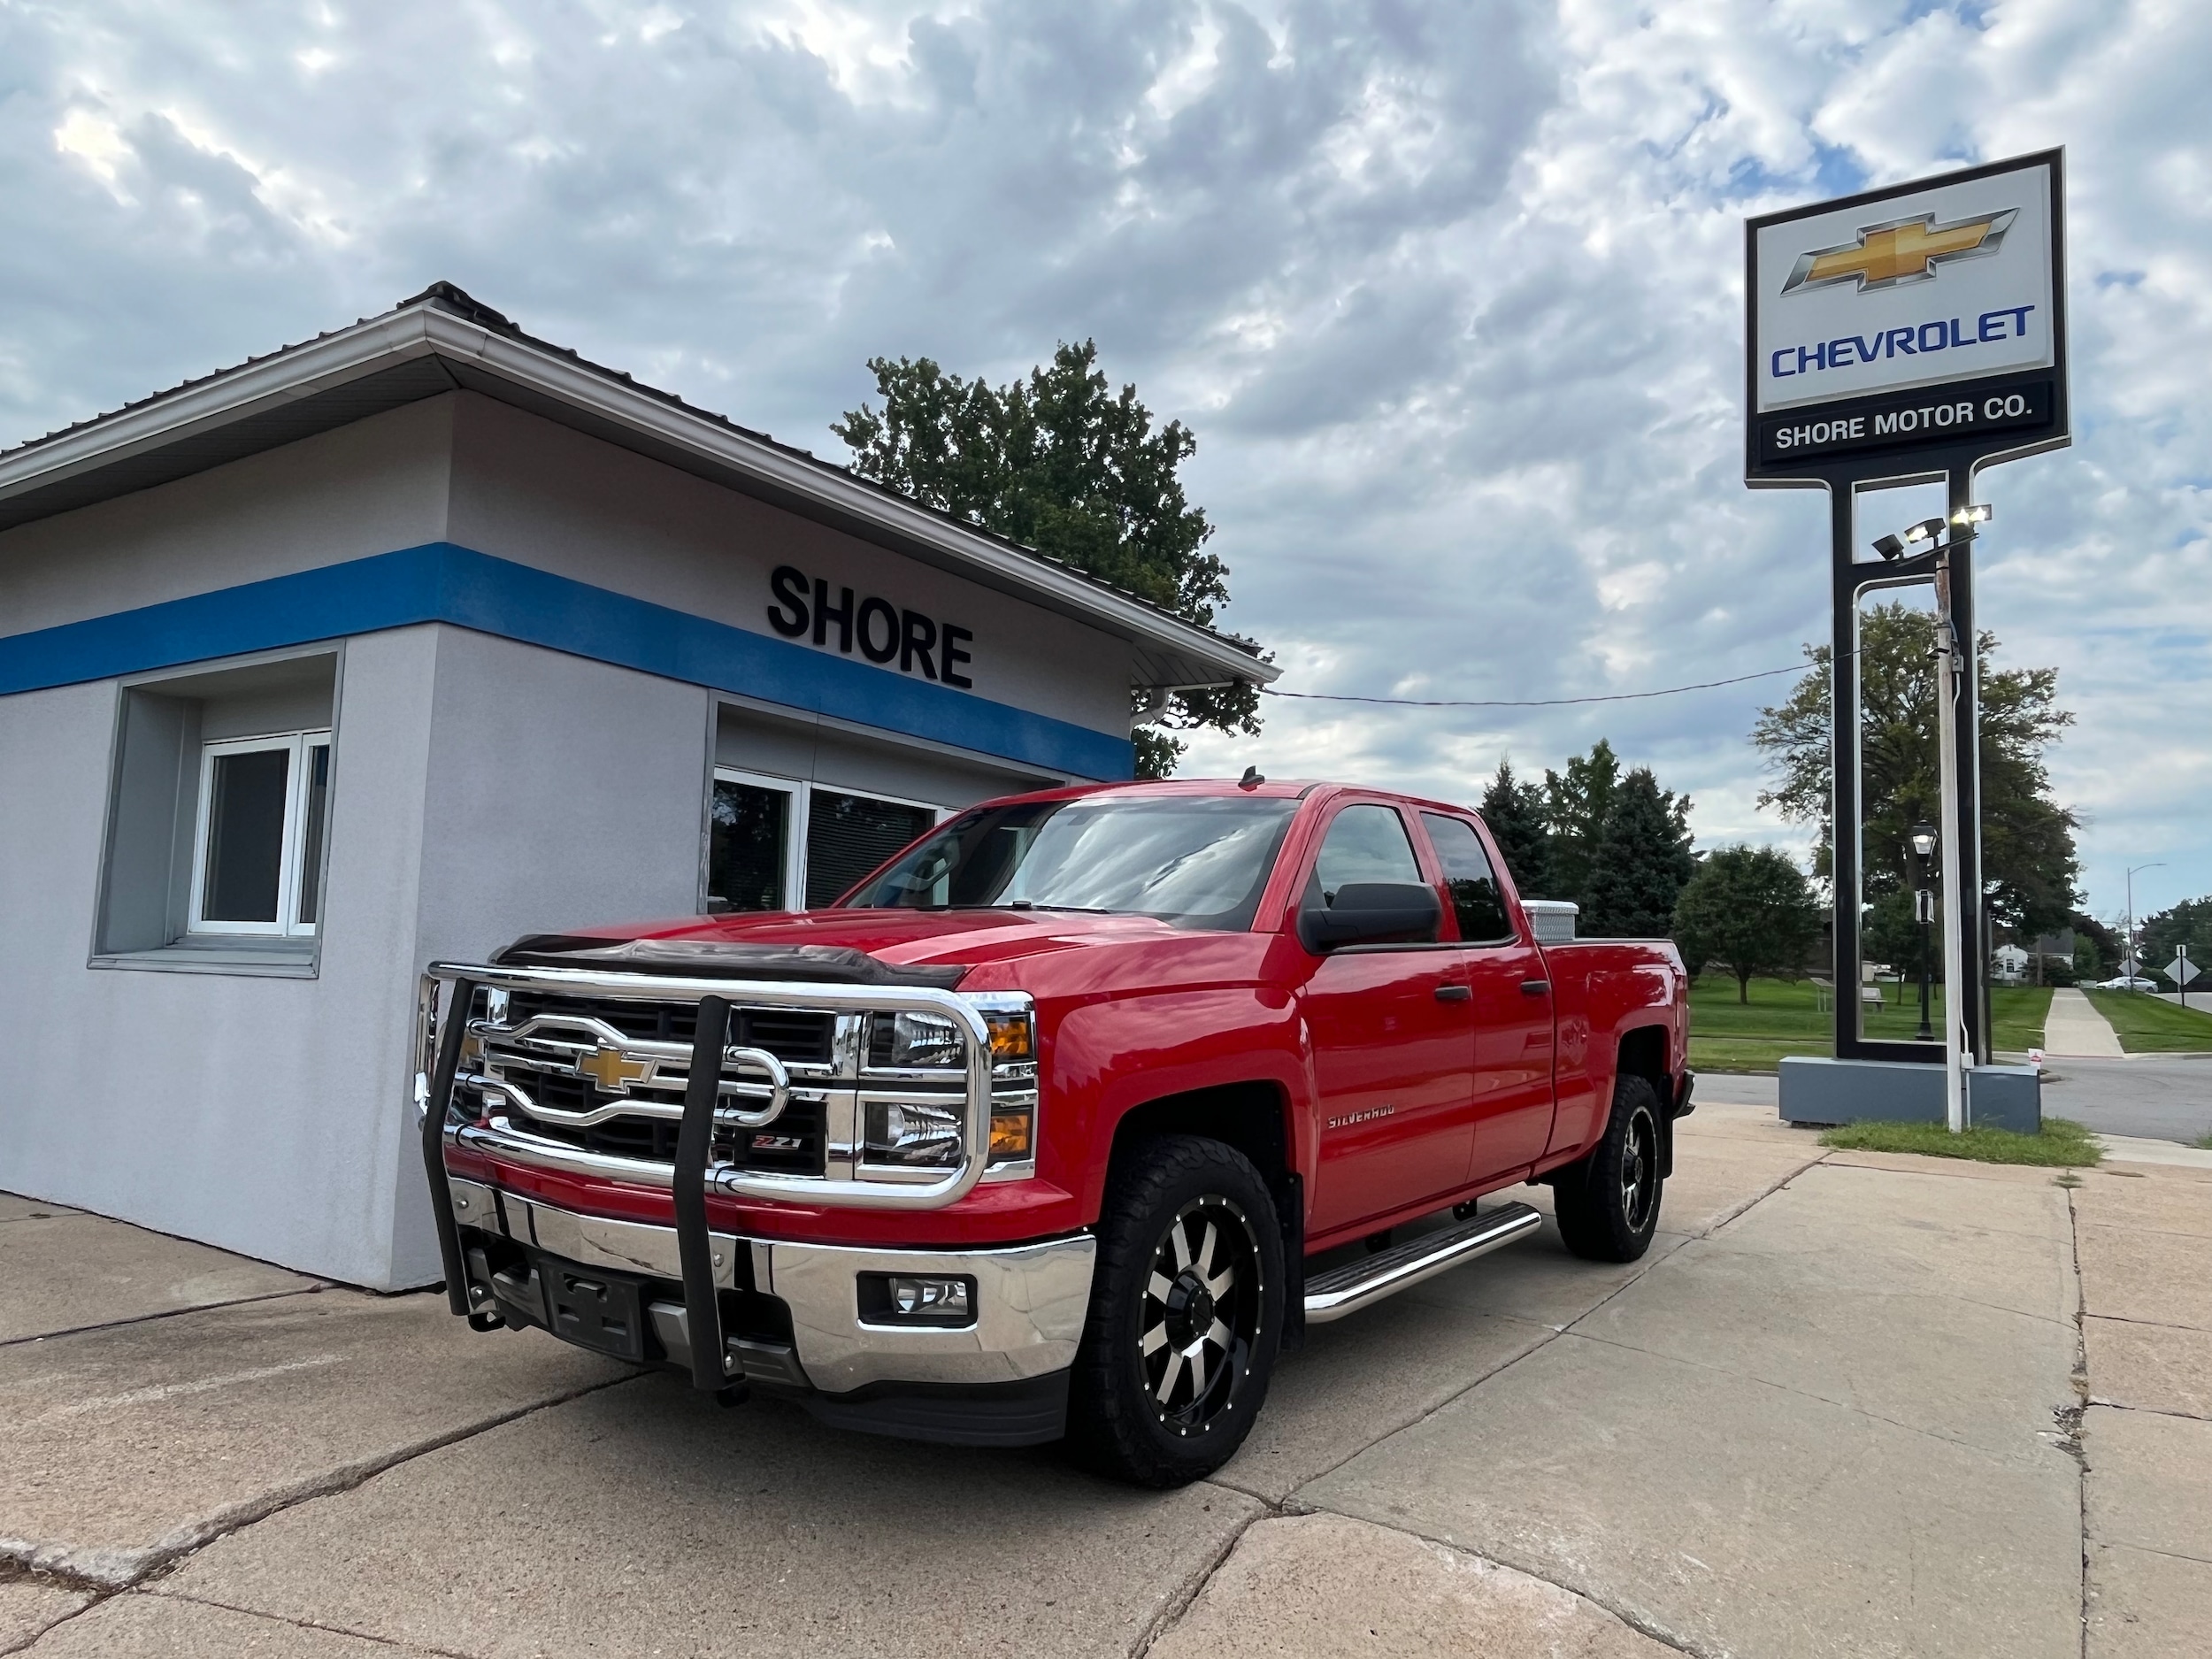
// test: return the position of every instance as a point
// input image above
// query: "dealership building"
(425, 634)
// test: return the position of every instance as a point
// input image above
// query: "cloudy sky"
(1449, 289)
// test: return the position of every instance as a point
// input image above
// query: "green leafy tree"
(2188, 923)
(2027, 839)
(1642, 862)
(1059, 464)
(1576, 803)
(1750, 910)
(2096, 948)
(1515, 813)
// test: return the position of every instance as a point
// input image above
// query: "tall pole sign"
(1909, 335)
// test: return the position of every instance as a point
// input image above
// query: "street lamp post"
(1924, 846)
(2127, 945)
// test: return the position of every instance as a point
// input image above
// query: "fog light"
(920, 1299)
(930, 1296)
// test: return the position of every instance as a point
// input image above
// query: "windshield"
(1192, 860)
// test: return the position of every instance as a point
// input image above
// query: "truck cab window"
(1366, 843)
(1192, 862)
(1468, 878)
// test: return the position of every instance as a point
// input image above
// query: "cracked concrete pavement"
(1847, 1404)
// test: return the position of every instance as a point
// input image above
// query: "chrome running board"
(1346, 1289)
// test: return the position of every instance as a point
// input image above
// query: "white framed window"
(257, 847)
(756, 841)
(784, 844)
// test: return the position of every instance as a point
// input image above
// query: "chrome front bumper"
(1029, 1299)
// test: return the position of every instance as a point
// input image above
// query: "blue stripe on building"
(440, 582)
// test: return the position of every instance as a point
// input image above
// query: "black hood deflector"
(715, 959)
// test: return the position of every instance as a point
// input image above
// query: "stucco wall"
(363, 489)
(525, 488)
(264, 1115)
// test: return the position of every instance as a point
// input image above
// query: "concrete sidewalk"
(1842, 1406)
(2074, 1026)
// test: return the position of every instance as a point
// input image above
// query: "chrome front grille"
(795, 1036)
(589, 1073)
(796, 1143)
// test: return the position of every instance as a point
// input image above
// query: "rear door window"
(1476, 899)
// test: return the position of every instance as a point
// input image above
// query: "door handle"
(1535, 987)
(1454, 993)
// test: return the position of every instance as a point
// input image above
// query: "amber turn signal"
(1010, 1135)
(1009, 1038)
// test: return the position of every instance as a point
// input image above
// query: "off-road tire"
(1606, 1202)
(1176, 1413)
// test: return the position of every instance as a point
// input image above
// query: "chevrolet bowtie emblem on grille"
(1902, 250)
(613, 1069)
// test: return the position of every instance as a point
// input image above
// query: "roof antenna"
(1251, 779)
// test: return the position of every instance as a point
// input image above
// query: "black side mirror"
(1371, 913)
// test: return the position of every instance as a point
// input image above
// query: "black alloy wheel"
(1185, 1315)
(1607, 1202)
(1202, 1313)
(1639, 1170)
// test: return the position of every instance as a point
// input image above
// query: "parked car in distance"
(2125, 982)
(1062, 1123)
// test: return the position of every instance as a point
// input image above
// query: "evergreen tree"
(1576, 803)
(1640, 864)
(1750, 910)
(1515, 813)
(1059, 463)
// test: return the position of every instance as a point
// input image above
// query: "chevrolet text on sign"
(1908, 319)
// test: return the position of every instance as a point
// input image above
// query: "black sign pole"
(1843, 750)
(1854, 579)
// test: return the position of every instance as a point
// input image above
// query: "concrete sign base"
(1819, 1090)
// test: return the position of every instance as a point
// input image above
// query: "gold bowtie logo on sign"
(613, 1070)
(1901, 250)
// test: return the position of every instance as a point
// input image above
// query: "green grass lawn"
(2064, 1143)
(2146, 1025)
(1782, 1017)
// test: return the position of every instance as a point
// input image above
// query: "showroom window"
(778, 844)
(258, 855)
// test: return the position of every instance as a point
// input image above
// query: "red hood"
(897, 937)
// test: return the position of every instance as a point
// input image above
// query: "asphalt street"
(2164, 1098)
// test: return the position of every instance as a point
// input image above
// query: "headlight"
(896, 1042)
(914, 1134)
(927, 1134)
(900, 1041)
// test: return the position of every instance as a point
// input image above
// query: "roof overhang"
(424, 349)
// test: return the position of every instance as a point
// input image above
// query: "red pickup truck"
(1065, 1122)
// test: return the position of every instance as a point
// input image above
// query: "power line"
(1534, 702)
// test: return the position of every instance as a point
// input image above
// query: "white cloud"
(1448, 290)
